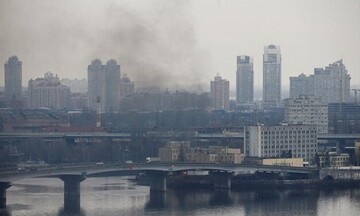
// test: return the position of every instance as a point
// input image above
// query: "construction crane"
(355, 92)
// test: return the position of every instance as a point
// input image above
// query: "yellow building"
(181, 152)
(294, 162)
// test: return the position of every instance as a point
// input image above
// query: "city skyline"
(202, 51)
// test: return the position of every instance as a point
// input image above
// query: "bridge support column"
(3, 187)
(157, 180)
(221, 180)
(72, 192)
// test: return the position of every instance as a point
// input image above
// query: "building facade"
(104, 86)
(48, 92)
(180, 151)
(297, 141)
(344, 118)
(272, 74)
(302, 85)
(331, 84)
(13, 79)
(95, 71)
(219, 91)
(244, 80)
(307, 109)
(111, 91)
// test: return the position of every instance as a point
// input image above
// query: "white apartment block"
(308, 110)
(273, 141)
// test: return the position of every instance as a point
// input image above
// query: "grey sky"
(178, 44)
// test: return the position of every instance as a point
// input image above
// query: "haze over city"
(178, 44)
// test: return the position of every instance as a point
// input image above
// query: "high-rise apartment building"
(272, 74)
(302, 85)
(299, 141)
(331, 84)
(219, 90)
(13, 79)
(103, 85)
(111, 87)
(48, 92)
(95, 71)
(309, 110)
(244, 80)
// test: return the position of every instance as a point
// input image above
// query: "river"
(119, 196)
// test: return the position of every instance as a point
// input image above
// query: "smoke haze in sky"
(178, 44)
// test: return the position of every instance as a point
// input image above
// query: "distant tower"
(95, 73)
(13, 79)
(244, 80)
(219, 89)
(111, 93)
(272, 75)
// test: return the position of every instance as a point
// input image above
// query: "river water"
(119, 196)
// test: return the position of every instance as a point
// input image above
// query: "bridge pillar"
(157, 180)
(3, 187)
(72, 192)
(221, 180)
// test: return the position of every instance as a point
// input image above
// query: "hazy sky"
(178, 44)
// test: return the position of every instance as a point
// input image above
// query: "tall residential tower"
(219, 90)
(272, 75)
(244, 80)
(13, 79)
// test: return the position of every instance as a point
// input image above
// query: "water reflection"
(5, 212)
(118, 196)
(71, 212)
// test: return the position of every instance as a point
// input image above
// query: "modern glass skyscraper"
(13, 79)
(244, 80)
(272, 74)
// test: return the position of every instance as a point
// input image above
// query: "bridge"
(73, 175)
(75, 135)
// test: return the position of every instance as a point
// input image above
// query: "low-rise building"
(296, 141)
(333, 159)
(181, 152)
(293, 162)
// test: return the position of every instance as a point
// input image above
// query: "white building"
(331, 84)
(275, 141)
(48, 92)
(309, 110)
